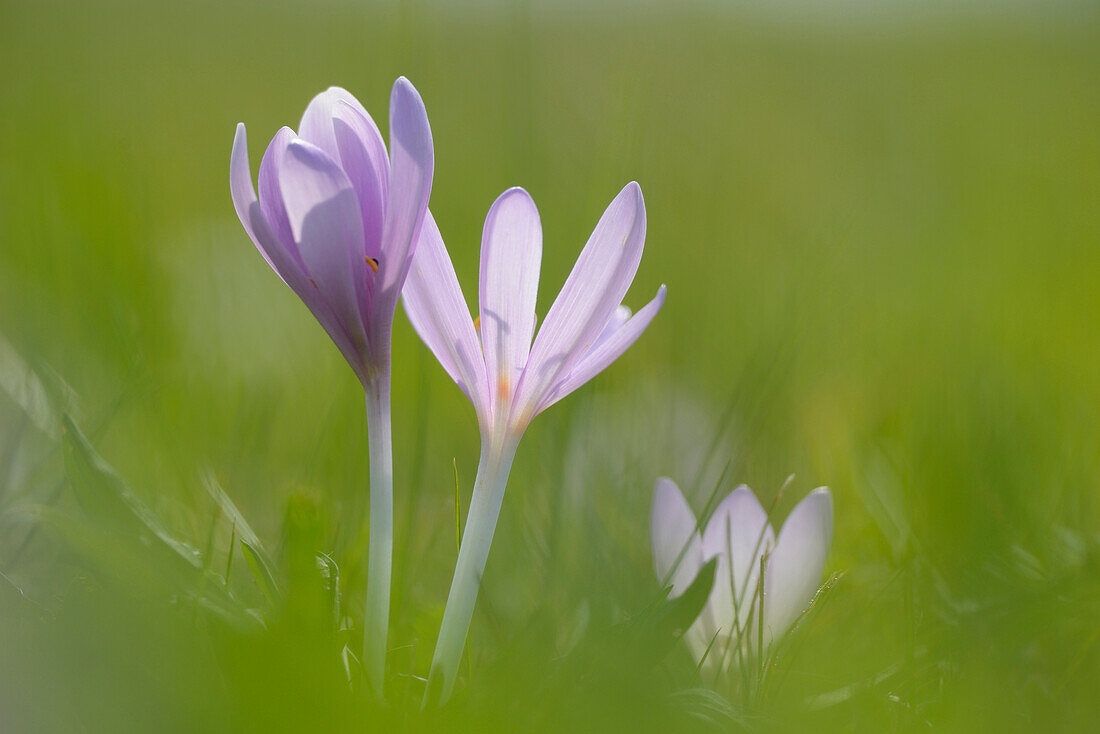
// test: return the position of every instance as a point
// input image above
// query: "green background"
(880, 238)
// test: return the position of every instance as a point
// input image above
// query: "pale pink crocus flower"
(738, 534)
(511, 374)
(338, 220)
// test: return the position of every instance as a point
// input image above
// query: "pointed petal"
(437, 310)
(607, 349)
(336, 123)
(677, 548)
(271, 194)
(738, 529)
(796, 565)
(325, 221)
(511, 255)
(593, 290)
(411, 163)
(278, 255)
(247, 204)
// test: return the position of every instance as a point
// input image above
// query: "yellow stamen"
(373, 262)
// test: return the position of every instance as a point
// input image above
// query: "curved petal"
(511, 255)
(323, 213)
(593, 290)
(271, 194)
(276, 252)
(247, 205)
(411, 164)
(737, 530)
(438, 312)
(609, 347)
(795, 567)
(336, 123)
(677, 548)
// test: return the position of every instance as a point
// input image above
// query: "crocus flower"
(339, 221)
(739, 533)
(511, 374)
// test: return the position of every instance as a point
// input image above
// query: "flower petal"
(271, 194)
(511, 255)
(336, 123)
(609, 347)
(438, 312)
(325, 221)
(796, 565)
(247, 204)
(411, 164)
(275, 252)
(594, 288)
(620, 316)
(677, 548)
(738, 529)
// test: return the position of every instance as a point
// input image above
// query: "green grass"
(880, 245)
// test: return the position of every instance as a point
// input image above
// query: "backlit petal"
(591, 293)
(677, 547)
(796, 565)
(247, 205)
(276, 253)
(325, 221)
(271, 194)
(615, 340)
(336, 123)
(438, 312)
(411, 164)
(737, 530)
(511, 255)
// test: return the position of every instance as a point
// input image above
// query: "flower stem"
(492, 477)
(379, 562)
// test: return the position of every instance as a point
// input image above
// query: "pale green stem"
(379, 438)
(492, 476)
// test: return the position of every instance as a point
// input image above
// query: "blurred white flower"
(739, 535)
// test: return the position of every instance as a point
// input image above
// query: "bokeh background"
(879, 227)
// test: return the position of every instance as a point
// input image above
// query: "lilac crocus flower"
(739, 533)
(511, 374)
(339, 221)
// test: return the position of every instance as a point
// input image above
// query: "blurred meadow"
(879, 230)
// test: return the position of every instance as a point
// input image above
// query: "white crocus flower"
(739, 533)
